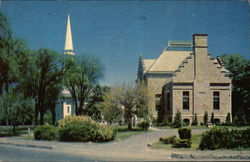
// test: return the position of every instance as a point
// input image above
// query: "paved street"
(134, 148)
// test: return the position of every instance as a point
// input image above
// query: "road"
(13, 153)
(132, 149)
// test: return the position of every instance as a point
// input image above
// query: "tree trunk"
(129, 125)
(53, 112)
(41, 118)
(36, 115)
(14, 129)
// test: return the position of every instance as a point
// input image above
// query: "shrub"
(182, 143)
(177, 120)
(164, 122)
(168, 140)
(46, 132)
(184, 133)
(84, 129)
(144, 125)
(212, 118)
(218, 138)
(72, 118)
(228, 119)
(205, 118)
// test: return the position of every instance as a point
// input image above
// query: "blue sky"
(118, 31)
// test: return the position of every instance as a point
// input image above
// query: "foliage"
(95, 104)
(184, 133)
(182, 143)
(73, 118)
(177, 120)
(111, 109)
(239, 68)
(46, 132)
(144, 125)
(84, 129)
(205, 118)
(165, 122)
(212, 118)
(195, 120)
(168, 140)
(218, 138)
(81, 80)
(142, 109)
(15, 103)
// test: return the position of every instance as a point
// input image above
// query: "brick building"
(186, 78)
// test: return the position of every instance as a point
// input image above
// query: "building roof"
(168, 61)
(148, 63)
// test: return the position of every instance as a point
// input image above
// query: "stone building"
(186, 78)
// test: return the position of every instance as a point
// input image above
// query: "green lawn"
(195, 144)
(6, 131)
(124, 133)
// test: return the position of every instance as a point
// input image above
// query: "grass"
(7, 131)
(124, 133)
(195, 144)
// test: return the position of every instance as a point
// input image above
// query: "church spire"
(68, 49)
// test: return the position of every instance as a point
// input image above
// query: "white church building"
(65, 105)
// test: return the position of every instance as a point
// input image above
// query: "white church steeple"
(68, 49)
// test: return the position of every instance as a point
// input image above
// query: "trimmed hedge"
(182, 143)
(168, 140)
(144, 125)
(218, 138)
(84, 129)
(46, 132)
(184, 133)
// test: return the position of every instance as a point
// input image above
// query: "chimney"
(200, 40)
(200, 53)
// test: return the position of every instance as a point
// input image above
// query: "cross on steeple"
(68, 49)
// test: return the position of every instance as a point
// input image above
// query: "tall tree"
(239, 67)
(44, 81)
(81, 80)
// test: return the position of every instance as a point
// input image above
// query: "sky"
(117, 32)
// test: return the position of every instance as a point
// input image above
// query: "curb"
(27, 145)
(192, 156)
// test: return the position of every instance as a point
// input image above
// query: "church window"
(68, 109)
(185, 99)
(216, 100)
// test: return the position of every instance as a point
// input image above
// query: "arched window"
(186, 121)
(217, 121)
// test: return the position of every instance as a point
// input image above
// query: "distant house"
(186, 78)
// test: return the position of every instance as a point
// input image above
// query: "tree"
(195, 120)
(95, 103)
(81, 80)
(112, 109)
(15, 103)
(205, 118)
(212, 118)
(177, 120)
(142, 109)
(43, 81)
(239, 68)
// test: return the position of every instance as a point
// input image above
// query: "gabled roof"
(168, 61)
